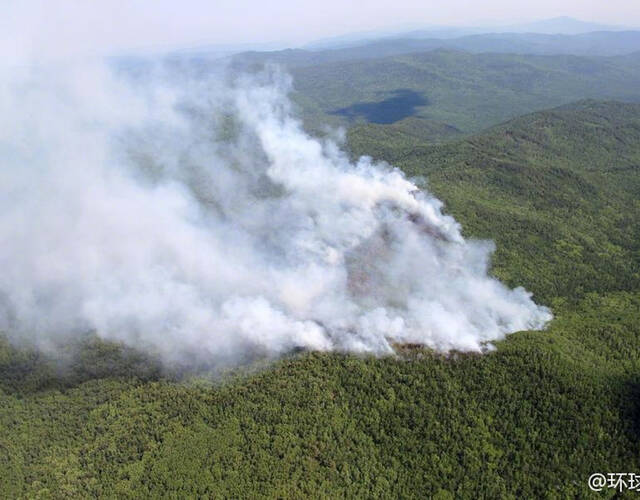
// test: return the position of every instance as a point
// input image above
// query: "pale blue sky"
(60, 28)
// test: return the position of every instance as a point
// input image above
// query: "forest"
(558, 190)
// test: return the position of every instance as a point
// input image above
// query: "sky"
(64, 28)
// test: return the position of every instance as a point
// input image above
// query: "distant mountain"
(363, 38)
(600, 43)
(554, 26)
(559, 26)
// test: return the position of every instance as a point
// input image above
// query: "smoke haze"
(193, 217)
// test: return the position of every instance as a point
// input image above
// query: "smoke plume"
(190, 215)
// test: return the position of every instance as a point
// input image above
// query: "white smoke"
(193, 216)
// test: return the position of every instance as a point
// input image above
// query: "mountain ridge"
(597, 43)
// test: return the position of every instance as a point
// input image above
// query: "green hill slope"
(469, 92)
(558, 191)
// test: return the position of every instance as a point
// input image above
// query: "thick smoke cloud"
(193, 217)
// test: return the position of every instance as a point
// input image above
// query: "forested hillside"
(557, 190)
(593, 43)
(469, 92)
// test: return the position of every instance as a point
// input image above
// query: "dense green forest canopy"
(557, 190)
(446, 88)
